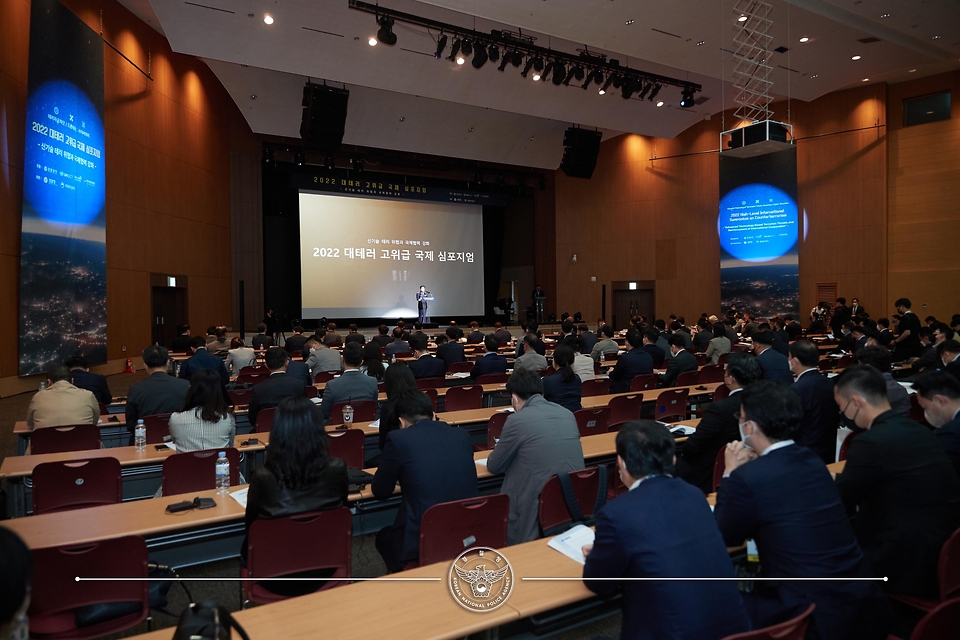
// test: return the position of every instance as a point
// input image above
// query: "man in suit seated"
(606, 344)
(530, 358)
(938, 393)
(718, 425)
(95, 383)
(449, 350)
(658, 355)
(587, 339)
(773, 363)
(297, 341)
(351, 385)
(879, 358)
(321, 358)
(353, 335)
(662, 527)
(702, 340)
(457, 330)
(182, 342)
(633, 363)
(475, 336)
(202, 359)
(277, 387)
(489, 362)
(949, 352)
(781, 495)
(821, 416)
(538, 441)
(418, 330)
(262, 341)
(502, 334)
(221, 345)
(382, 338)
(532, 328)
(928, 357)
(61, 403)
(157, 393)
(399, 345)
(846, 340)
(899, 482)
(425, 365)
(331, 337)
(433, 462)
(680, 361)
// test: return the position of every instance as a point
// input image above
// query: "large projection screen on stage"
(364, 257)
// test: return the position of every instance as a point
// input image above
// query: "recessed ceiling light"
(660, 103)
(402, 118)
(267, 18)
(804, 39)
(815, 75)
(936, 37)
(742, 19)
(885, 15)
(629, 22)
(912, 71)
(253, 96)
(470, 130)
(701, 43)
(372, 41)
(530, 139)
(855, 58)
(865, 80)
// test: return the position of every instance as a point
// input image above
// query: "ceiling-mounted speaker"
(581, 148)
(324, 115)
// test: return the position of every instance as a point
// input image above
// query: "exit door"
(628, 303)
(169, 310)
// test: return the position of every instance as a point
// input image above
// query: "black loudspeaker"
(581, 148)
(324, 115)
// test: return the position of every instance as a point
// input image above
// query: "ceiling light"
(479, 56)
(493, 53)
(629, 22)
(656, 90)
(586, 83)
(701, 43)
(454, 50)
(855, 58)
(643, 92)
(372, 41)
(660, 103)
(527, 67)
(575, 72)
(267, 156)
(885, 15)
(628, 88)
(536, 76)
(559, 72)
(298, 159)
(466, 47)
(386, 34)
(804, 39)
(461, 59)
(686, 99)
(912, 71)
(441, 45)
(814, 75)
(742, 18)
(267, 18)
(936, 37)
(328, 163)
(865, 80)
(606, 85)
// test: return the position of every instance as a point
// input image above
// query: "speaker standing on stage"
(423, 296)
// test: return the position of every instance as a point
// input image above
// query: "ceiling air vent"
(869, 40)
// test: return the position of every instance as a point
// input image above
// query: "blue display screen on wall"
(757, 223)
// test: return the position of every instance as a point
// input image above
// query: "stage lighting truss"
(751, 60)
(586, 67)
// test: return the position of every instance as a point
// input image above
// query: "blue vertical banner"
(758, 226)
(63, 257)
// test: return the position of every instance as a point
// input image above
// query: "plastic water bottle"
(223, 473)
(348, 414)
(140, 436)
(43, 385)
(602, 357)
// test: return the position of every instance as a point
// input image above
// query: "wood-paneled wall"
(168, 148)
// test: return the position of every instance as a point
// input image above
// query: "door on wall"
(169, 306)
(629, 302)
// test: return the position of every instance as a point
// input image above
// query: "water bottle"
(223, 473)
(140, 436)
(43, 385)
(393, 358)
(348, 414)
(602, 357)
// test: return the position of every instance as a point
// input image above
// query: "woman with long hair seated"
(563, 387)
(205, 421)
(373, 364)
(297, 477)
(397, 380)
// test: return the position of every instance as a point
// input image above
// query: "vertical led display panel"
(63, 274)
(758, 228)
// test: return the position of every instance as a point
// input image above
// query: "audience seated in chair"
(61, 403)
(205, 421)
(351, 385)
(278, 387)
(158, 393)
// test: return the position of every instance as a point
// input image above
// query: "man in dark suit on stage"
(425, 365)
(182, 342)
(781, 496)
(95, 383)
(489, 362)
(433, 463)
(938, 393)
(681, 361)
(821, 418)
(633, 363)
(774, 364)
(202, 359)
(899, 482)
(719, 424)
(449, 350)
(277, 387)
(662, 528)
(158, 392)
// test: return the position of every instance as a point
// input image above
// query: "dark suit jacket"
(157, 393)
(847, 343)
(697, 455)
(540, 347)
(203, 359)
(656, 354)
(565, 394)
(296, 342)
(821, 415)
(786, 501)
(907, 497)
(780, 345)
(351, 385)
(355, 337)
(272, 391)
(383, 341)
(953, 368)
(664, 528)
(181, 343)
(928, 358)
(702, 340)
(680, 363)
(949, 436)
(587, 340)
(775, 366)
(95, 383)
(299, 370)
(428, 367)
(488, 363)
(397, 346)
(475, 337)
(503, 335)
(840, 315)
(633, 363)
(262, 341)
(433, 463)
(450, 352)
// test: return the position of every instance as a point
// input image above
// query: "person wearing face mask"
(679, 362)
(938, 393)
(899, 482)
(949, 352)
(818, 426)
(781, 495)
(907, 342)
(321, 358)
(662, 527)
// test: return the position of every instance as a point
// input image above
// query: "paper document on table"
(571, 543)
(240, 496)
(459, 374)
(507, 410)
(682, 428)
(909, 387)
(170, 445)
(482, 462)
(375, 424)
(316, 400)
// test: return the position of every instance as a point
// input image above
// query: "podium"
(538, 303)
(422, 311)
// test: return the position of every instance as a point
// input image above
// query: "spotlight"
(646, 89)
(590, 77)
(654, 92)
(461, 59)
(386, 34)
(575, 72)
(454, 50)
(267, 156)
(441, 45)
(559, 73)
(267, 18)
(527, 67)
(493, 52)
(298, 159)
(686, 99)
(372, 41)
(547, 71)
(606, 85)
(466, 47)
(328, 163)
(517, 58)
(479, 56)
(506, 60)
(628, 88)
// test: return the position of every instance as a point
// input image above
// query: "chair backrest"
(826, 364)
(252, 378)
(307, 541)
(103, 409)
(460, 367)
(56, 593)
(624, 409)
(595, 387)
(711, 373)
(672, 403)
(722, 358)
(701, 359)
(463, 398)
(495, 428)
(592, 421)
(431, 383)
(845, 445)
(948, 570)
(62, 486)
(196, 471)
(312, 391)
(403, 354)
(264, 420)
(348, 446)
(450, 527)
(432, 394)
(845, 361)
(254, 368)
(492, 378)
(941, 622)
(644, 382)
(722, 391)
(239, 397)
(363, 411)
(794, 629)
(719, 464)
(296, 354)
(157, 426)
(77, 437)
(553, 510)
(324, 376)
(687, 379)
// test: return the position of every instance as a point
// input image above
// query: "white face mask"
(743, 436)
(935, 420)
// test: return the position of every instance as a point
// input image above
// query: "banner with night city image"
(63, 274)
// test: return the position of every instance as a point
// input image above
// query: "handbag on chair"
(207, 621)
